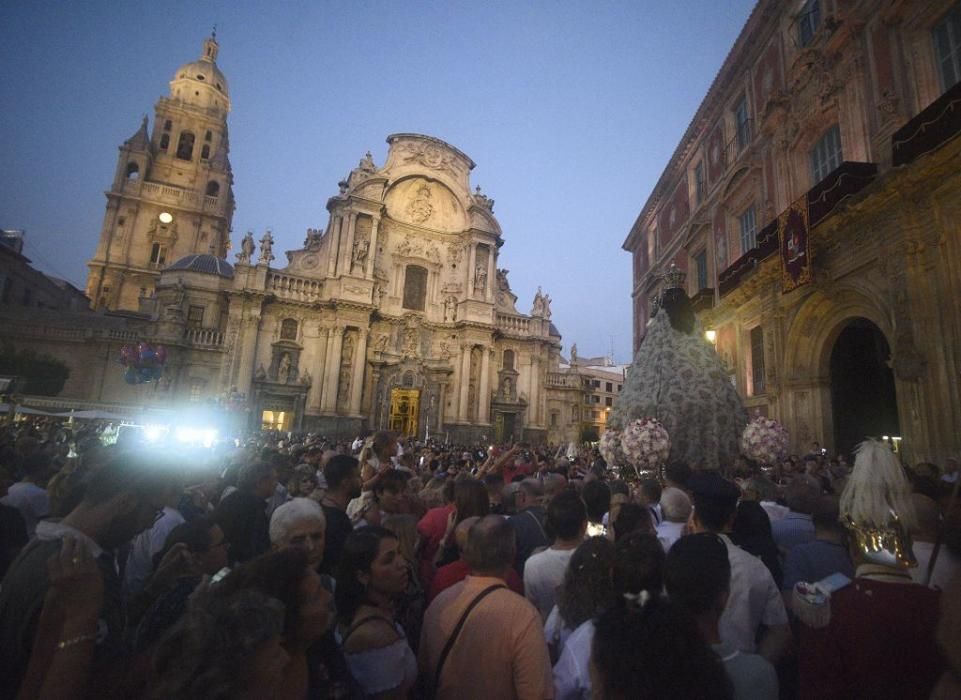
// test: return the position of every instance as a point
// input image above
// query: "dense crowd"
(293, 566)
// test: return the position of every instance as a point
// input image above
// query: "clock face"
(309, 262)
(165, 217)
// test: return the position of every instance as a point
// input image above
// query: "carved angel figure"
(247, 248)
(266, 247)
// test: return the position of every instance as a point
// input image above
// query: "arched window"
(164, 142)
(213, 188)
(415, 288)
(508, 359)
(185, 147)
(208, 136)
(288, 329)
(205, 152)
(168, 125)
(133, 171)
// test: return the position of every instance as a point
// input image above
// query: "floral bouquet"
(765, 440)
(645, 443)
(610, 448)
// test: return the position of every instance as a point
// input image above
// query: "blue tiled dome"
(208, 264)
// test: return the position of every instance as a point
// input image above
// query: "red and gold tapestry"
(795, 255)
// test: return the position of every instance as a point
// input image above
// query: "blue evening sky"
(571, 110)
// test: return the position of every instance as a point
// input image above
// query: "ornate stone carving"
(429, 155)
(313, 239)
(482, 200)
(420, 208)
(266, 248)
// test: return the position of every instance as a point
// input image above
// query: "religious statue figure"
(678, 378)
(247, 248)
(480, 278)
(359, 255)
(410, 342)
(450, 308)
(380, 345)
(367, 163)
(283, 369)
(538, 308)
(266, 248)
(574, 353)
(260, 374)
(547, 305)
(343, 388)
(305, 378)
(508, 387)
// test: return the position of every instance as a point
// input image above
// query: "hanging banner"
(795, 255)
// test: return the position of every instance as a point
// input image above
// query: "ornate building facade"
(813, 201)
(396, 315)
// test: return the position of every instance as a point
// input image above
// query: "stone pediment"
(425, 203)
(416, 153)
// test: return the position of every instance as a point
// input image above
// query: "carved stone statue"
(547, 306)
(574, 353)
(450, 308)
(538, 308)
(359, 255)
(305, 378)
(266, 248)
(367, 163)
(343, 388)
(480, 278)
(380, 345)
(283, 369)
(247, 248)
(260, 374)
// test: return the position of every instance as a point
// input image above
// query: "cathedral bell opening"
(863, 398)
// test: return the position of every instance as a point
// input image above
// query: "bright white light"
(153, 432)
(193, 436)
(711, 336)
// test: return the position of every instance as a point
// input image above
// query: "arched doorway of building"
(863, 398)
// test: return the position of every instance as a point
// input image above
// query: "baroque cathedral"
(395, 315)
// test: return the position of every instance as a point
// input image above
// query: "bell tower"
(172, 192)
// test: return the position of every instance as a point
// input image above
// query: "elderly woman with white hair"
(300, 523)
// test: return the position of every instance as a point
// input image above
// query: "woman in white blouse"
(372, 573)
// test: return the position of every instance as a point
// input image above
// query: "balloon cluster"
(143, 361)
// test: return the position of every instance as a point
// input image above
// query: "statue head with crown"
(674, 300)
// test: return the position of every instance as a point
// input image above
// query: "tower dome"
(201, 81)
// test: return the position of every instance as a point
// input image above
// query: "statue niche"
(284, 363)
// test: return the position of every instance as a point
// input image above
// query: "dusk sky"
(571, 111)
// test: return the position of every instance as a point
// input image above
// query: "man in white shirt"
(544, 571)
(148, 543)
(676, 507)
(26, 496)
(754, 604)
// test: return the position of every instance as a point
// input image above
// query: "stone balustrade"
(294, 288)
(204, 337)
(562, 380)
(515, 325)
(181, 197)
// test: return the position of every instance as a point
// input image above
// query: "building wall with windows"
(601, 381)
(810, 87)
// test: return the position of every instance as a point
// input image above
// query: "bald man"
(455, 572)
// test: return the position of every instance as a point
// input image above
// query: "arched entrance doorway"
(863, 398)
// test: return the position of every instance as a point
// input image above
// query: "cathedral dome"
(206, 264)
(204, 70)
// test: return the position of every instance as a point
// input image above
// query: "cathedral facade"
(396, 315)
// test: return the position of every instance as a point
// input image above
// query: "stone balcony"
(293, 288)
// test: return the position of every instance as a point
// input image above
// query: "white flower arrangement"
(610, 448)
(645, 443)
(765, 440)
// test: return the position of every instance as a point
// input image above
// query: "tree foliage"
(40, 375)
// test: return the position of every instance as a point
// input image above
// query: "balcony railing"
(516, 325)
(933, 127)
(563, 380)
(204, 337)
(294, 288)
(845, 181)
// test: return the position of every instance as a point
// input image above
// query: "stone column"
(248, 350)
(332, 368)
(491, 276)
(535, 395)
(484, 411)
(464, 381)
(333, 245)
(472, 263)
(346, 259)
(371, 252)
(320, 366)
(360, 365)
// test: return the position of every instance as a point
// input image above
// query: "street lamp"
(711, 336)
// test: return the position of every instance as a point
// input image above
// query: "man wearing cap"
(755, 609)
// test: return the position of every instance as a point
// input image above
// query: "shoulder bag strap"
(456, 633)
(539, 526)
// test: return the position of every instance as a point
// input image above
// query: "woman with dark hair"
(677, 377)
(470, 500)
(585, 591)
(371, 574)
(752, 533)
(631, 517)
(228, 647)
(637, 569)
(675, 662)
(287, 576)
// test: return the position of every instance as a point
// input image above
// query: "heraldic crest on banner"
(795, 253)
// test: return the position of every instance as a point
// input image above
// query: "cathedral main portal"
(404, 409)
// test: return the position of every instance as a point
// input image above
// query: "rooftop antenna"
(612, 350)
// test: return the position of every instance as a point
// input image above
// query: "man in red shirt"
(457, 571)
(432, 528)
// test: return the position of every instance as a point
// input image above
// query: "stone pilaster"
(360, 364)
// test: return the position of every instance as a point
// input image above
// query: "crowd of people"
(293, 567)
